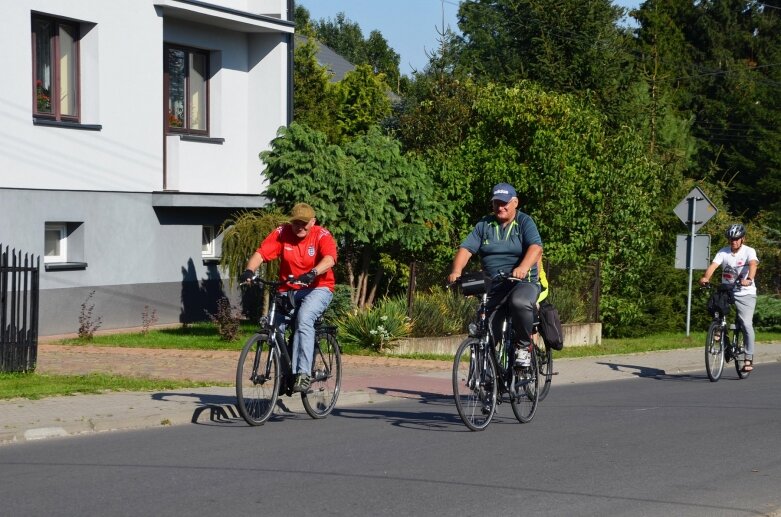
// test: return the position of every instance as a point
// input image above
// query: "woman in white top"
(739, 266)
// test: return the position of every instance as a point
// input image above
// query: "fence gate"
(18, 310)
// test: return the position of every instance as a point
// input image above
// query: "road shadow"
(212, 409)
(647, 372)
(441, 414)
(447, 421)
(426, 397)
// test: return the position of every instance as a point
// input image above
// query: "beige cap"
(302, 212)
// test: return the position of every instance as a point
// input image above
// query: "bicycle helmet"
(735, 231)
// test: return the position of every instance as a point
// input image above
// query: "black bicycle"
(265, 372)
(724, 341)
(484, 370)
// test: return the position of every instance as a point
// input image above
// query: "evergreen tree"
(565, 45)
(314, 99)
(346, 39)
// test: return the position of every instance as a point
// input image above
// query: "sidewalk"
(365, 380)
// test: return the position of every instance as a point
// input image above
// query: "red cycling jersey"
(299, 256)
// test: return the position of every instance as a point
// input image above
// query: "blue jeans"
(311, 304)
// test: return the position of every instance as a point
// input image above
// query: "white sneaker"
(522, 357)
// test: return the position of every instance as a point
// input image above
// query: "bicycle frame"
(284, 345)
(265, 367)
(723, 343)
(484, 370)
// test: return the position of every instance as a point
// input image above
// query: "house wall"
(135, 255)
(247, 107)
(121, 91)
(133, 244)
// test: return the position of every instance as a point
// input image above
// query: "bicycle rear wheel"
(526, 391)
(740, 354)
(257, 380)
(320, 400)
(474, 385)
(714, 351)
(544, 366)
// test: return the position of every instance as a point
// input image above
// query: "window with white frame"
(55, 247)
(208, 242)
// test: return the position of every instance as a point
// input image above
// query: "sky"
(409, 26)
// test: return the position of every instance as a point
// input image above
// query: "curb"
(140, 414)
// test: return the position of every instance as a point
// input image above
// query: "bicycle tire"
(714, 351)
(323, 393)
(740, 355)
(544, 366)
(256, 393)
(474, 385)
(525, 394)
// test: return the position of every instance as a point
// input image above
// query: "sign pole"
(692, 224)
(693, 216)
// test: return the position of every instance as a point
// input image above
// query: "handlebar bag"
(720, 301)
(475, 282)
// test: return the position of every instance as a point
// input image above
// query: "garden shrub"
(227, 320)
(441, 313)
(767, 315)
(377, 328)
(341, 303)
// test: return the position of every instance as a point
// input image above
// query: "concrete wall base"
(575, 334)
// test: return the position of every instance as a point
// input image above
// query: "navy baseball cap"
(504, 192)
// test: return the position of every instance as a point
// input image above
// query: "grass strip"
(203, 336)
(35, 386)
(619, 346)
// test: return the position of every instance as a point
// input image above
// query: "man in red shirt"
(308, 253)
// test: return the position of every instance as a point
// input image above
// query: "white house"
(130, 131)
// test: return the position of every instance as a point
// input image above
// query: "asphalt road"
(676, 445)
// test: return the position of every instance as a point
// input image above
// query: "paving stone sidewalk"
(365, 380)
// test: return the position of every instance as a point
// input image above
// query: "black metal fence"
(19, 275)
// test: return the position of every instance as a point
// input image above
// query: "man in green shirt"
(508, 242)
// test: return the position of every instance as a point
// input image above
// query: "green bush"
(571, 308)
(441, 313)
(341, 303)
(377, 328)
(768, 313)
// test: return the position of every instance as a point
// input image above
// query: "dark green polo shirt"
(502, 249)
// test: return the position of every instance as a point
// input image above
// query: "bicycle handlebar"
(275, 284)
(735, 286)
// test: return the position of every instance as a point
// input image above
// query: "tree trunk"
(351, 282)
(411, 288)
(375, 285)
(363, 281)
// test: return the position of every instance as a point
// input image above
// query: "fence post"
(19, 296)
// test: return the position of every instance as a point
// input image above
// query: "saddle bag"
(550, 326)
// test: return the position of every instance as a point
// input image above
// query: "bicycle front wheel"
(525, 392)
(257, 380)
(544, 366)
(740, 354)
(320, 400)
(714, 351)
(474, 385)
